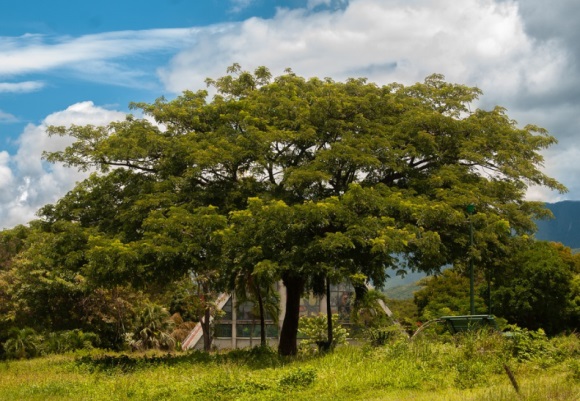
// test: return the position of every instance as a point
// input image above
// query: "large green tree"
(448, 294)
(356, 171)
(52, 285)
(535, 287)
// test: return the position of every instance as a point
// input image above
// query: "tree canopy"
(314, 178)
(535, 286)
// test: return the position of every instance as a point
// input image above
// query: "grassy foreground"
(466, 368)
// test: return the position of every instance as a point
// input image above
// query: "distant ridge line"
(565, 227)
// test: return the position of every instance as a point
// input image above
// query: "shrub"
(70, 340)
(529, 345)
(22, 343)
(315, 331)
(383, 335)
(152, 330)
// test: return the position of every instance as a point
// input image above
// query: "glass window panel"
(256, 331)
(334, 300)
(223, 330)
(309, 306)
(245, 311)
(227, 309)
(271, 330)
(243, 330)
(267, 315)
(344, 305)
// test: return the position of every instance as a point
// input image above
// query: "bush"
(153, 327)
(383, 335)
(529, 345)
(70, 340)
(22, 343)
(315, 331)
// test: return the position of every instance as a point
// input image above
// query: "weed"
(574, 366)
(464, 368)
(529, 345)
(298, 377)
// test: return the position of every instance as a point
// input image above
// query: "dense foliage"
(309, 181)
(535, 286)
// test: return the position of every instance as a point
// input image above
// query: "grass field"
(467, 368)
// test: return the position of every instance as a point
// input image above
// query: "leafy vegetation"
(536, 286)
(314, 331)
(310, 182)
(153, 329)
(466, 367)
(22, 343)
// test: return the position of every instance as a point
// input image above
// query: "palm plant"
(256, 286)
(152, 329)
(23, 343)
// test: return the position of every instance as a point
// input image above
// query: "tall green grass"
(469, 367)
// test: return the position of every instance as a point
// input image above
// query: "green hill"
(565, 227)
(404, 291)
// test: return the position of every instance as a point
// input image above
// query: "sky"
(81, 62)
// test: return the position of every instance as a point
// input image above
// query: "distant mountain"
(402, 287)
(403, 291)
(565, 227)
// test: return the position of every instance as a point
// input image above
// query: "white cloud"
(476, 42)
(26, 182)
(20, 87)
(6, 177)
(240, 5)
(91, 57)
(7, 117)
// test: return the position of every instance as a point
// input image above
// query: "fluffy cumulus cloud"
(496, 45)
(6, 177)
(26, 182)
(478, 41)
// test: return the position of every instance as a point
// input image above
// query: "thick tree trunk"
(289, 333)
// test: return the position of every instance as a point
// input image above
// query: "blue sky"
(77, 62)
(55, 87)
